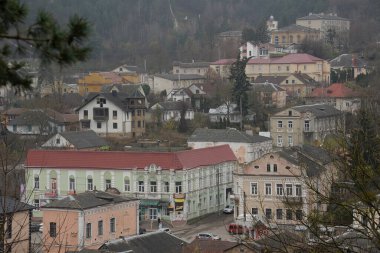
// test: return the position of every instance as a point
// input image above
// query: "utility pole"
(245, 207)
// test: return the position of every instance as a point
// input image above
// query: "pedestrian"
(158, 221)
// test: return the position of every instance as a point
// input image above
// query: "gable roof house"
(194, 94)
(305, 124)
(194, 67)
(84, 140)
(132, 74)
(269, 94)
(350, 63)
(94, 81)
(167, 82)
(338, 95)
(113, 113)
(226, 111)
(171, 110)
(245, 147)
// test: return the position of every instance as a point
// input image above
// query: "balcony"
(308, 130)
(100, 114)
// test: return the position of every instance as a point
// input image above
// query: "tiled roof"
(266, 87)
(128, 160)
(319, 110)
(223, 62)
(157, 242)
(224, 135)
(348, 61)
(336, 90)
(286, 59)
(113, 77)
(15, 111)
(32, 117)
(321, 16)
(87, 200)
(84, 139)
(297, 28)
(191, 64)
(270, 79)
(177, 77)
(12, 205)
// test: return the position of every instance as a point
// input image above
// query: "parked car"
(235, 229)
(207, 236)
(229, 209)
(167, 230)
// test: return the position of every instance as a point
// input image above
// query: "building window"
(290, 113)
(289, 214)
(71, 183)
(298, 214)
(279, 214)
(291, 39)
(304, 67)
(57, 141)
(53, 229)
(88, 230)
(290, 140)
(153, 186)
(112, 225)
(279, 141)
(114, 125)
(166, 186)
(279, 124)
(298, 190)
(141, 186)
(37, 203)
(100, 227)
(287, 69)
(254, 188)
(268, 189)
(307, 125)
(280, 190)
(275, 167)
(293, 81)
(289, 189)
(108, 183)
(36, 182)
(290, 123)
(138, 112)
(255, 211)
(85, 114)
(268, 167)
(89, 184)
(268, 213)
(178, 187)
(139, 124)
(99, 124)
(114, 114)
(127, 185)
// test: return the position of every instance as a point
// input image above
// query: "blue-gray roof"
(319, 110)
(224, 135)
(84, 139)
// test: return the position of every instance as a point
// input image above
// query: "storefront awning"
(149, 202)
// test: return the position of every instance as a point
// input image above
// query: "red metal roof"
(286, 59)
(128, 160)
(336, 90)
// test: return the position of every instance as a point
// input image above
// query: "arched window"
(90, 183)
(107, 180)
(53, 181)
(71, 183)
(127, 184)
(36, 182)
(291, 39)
(298, 38)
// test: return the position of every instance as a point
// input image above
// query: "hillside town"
(254, 153)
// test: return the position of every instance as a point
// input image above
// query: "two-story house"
(87, 220)
(305, 124)
(280, 187)
(269, 94)
(351, 64)
(171, 110)
(253, 50)
(194, 94)
(175, 186)
(114, 113)
(167, 82)
(194, 67)
(293, 34)
(245, 147)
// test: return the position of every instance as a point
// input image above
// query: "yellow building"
(316, 68)
(293, 34)
(93, 82)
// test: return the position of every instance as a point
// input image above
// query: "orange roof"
(128, 160)
(336, 90)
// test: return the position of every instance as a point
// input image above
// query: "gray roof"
(84, 139)
(270, 79)
(87, 200)
(322, 16)
(12, 205)
(32, 117)
(297, 28)
(191, 64)
(174, 105)
(319, 110)
(177, 77)
(348, 61)
(266, 87)
(305, 78)
(224, 135)
(131, 89)
(158, 242)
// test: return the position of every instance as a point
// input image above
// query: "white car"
(41, 229)
(167, 230)
(229, 209)
(207, 236)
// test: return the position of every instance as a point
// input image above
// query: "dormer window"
(101, 101)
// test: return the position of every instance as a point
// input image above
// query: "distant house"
(168, 82)
(245, 147)
(59, 88)
(11, 114)
(351, 64)
(172, 110)
(131, 89)
(42, 122)
(157, 242)
(226, 111)
(194, 94)
(304, 124)
(93, 82)
(87, 220)
(295, 84)
(194, 67)
(269, 94)
(250, 49)
(16, 216)
(131, 74)
(114, 113)
(338, 95)
(293, 34)
(87, 140)
(222, 67)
